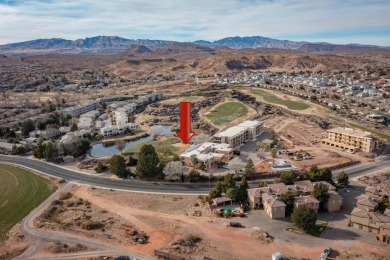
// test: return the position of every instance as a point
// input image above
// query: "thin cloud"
(186, 20)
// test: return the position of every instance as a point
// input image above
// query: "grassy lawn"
(379, 134)
(227, 112)
(20, 192)
(163, 147)
(143, 118)
(293, 105)
(317, 231)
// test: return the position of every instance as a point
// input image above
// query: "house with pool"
(268, 197)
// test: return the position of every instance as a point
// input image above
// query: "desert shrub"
(65, 195)
(101, 168)
(78, 202)
(69, 204)
(90, 225)
(49, 213)
(87, 203)
(56, 202)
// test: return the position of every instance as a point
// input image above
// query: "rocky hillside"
(253, 42)
(115, 44)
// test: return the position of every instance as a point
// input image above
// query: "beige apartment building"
(268, 197)
(309, 201)
(273, 207)
(367, 203)
(335, 201)
(237, 135)
(371, 222)
(350, 139)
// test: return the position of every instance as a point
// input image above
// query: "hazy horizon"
(360, 22)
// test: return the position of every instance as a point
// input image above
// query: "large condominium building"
(237, 135)
(80, 109)
(120, 117)
(208, 153)
(118, 129)
(350, 139)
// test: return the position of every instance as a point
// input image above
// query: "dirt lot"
(305, 136)
(174, 223)
(380, 178)
(15, 244)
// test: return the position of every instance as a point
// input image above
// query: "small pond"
(99, 150)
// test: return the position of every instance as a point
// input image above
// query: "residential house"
(273, 207)
(367, 203)
(377, 192)
(369, 221)
(306, 201)
(208, 153)
(335, 201)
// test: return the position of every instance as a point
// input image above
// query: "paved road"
(357, 170)
(131, 185)
(39, 236)
(184, 188)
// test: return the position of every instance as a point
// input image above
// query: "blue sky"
(335, 21)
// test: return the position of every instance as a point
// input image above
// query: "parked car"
(350, 151)
(326, 253)
(235, 224)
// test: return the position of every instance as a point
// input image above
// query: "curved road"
(96, 180)
(99, 248)
(139, 186)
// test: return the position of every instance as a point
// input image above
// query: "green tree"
(250, 168)
(233, 193)
(313, 173)
(242, 190)
(18, 150)
(321, 193)
(304, 218)
(51, 152)
(132, 161)
(343, 179)
(383, 204)
(325, 175)
(83, 146)
(39, 151)
(73, 127)
(228, 182)
(27, 126)
(288, 178)
(288, 199)
(149, 165)
(194, 160)
(194, 176)
(262, 184)
(217, 192)
(118, 166)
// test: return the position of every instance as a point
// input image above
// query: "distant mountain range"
(112, 44)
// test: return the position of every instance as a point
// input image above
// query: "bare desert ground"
(173, 221)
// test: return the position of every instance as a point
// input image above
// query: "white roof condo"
(238, 129)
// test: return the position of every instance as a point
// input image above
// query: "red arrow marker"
(185, 132)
